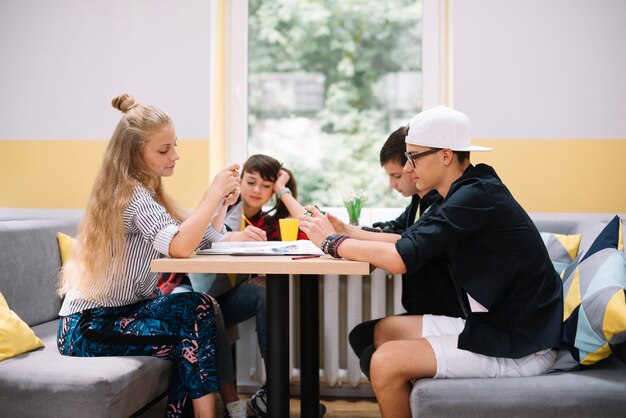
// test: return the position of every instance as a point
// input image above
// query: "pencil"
(246, 220)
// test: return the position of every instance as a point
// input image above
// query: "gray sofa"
(44, 383)
(597, 391)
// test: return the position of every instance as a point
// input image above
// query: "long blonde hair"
(96, 264)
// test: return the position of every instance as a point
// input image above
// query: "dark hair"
(268, 168)
(462, 156)
(394, 148)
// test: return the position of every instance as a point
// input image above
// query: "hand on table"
(252, 233)
(316, 226)
(338, 225)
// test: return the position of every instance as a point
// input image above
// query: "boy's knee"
(382, 363)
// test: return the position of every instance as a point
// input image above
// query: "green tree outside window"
(334, 78)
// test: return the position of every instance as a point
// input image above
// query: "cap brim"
(476, 148)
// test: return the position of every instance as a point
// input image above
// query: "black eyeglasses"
(412, 156)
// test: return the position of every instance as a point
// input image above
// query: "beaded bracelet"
(327, 243)
(337, 243)
(331, 243)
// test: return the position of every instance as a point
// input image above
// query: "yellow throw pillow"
(562, 249)
(15, 336)
(65, 245)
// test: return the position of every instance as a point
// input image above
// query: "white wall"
(540, 69)
(63, 60)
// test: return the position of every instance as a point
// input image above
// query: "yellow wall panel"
(60, 174)
(561, 175)
(544, 175)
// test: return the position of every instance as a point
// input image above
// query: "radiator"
(345, 301)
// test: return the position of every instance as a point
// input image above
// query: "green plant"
(354, 202)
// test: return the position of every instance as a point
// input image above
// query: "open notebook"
(300, 247)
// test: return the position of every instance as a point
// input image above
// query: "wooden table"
(278, 269)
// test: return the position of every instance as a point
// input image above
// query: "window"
(327, 82)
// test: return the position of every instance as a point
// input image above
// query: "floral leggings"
(176, 327)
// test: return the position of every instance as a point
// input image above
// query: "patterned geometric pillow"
(595, 298)
(562, 249)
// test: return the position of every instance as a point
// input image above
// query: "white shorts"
(442, 333)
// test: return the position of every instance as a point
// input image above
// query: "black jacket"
(497, 256)
(407, 218)
(429, 290)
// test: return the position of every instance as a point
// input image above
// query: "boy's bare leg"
(394, 364)
(398, 328)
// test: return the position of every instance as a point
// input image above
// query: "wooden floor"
(335, 408)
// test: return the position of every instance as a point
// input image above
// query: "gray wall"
(63, 60)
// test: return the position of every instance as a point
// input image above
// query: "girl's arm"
(191, 231)
(218, 219)
(293, 206)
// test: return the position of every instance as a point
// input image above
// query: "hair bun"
(124, 102)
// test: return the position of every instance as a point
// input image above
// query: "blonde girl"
(112, 306)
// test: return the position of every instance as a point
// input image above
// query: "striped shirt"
(149, 231)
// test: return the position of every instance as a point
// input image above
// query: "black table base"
(278, 346)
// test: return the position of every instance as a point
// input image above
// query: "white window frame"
(436, 68)
(236, 81)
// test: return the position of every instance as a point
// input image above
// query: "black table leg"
(278, 346)
(309, 345)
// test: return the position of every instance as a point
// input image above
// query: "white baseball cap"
(442, 127)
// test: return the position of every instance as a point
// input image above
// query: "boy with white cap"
(510, 293)
(421, 293)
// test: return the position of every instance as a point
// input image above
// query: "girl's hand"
(232, 197)
(281, 181)
(252, 233)
(316, 226)
(226, 181)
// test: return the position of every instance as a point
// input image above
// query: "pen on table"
(302, 257)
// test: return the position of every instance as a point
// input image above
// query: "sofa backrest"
(29, 265)
(587, 224)
(30, 259)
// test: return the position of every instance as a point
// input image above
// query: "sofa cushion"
(594, 300)
(45, 380)
(30, 260)
(598, 391)
(15, 336)
(562, 248)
